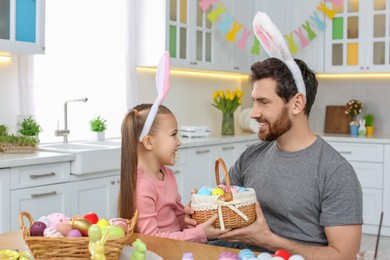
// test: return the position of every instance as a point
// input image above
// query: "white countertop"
(39, 157)
(379, 139)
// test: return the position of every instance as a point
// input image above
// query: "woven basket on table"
(71, 248)
(234, 210)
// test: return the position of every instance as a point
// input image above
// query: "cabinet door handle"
(112, 182)
(227, 148)
(177, 172)
(34, 176)
(345, 152)
(193, 63)
(202, 151)
(236, 68)
(37, 195)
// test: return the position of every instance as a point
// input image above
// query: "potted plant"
(30, 127)
(16, 143)
(98, 125)
(369, 124)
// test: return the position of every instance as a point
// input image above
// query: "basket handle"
(25, 230)
(228, 192)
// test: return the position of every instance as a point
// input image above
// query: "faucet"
(65, 132)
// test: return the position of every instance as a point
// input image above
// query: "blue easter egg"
(204, 191)
(246, 253)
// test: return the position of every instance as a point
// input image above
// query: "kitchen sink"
(110, 142)
(90, 157)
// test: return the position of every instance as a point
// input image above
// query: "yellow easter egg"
(102, 223)
(218, 191)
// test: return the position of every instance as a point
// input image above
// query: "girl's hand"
(212, 232)
(189, 211)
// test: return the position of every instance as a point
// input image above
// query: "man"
(309, 197)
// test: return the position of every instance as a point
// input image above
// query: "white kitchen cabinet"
(4, 200)
(99, 195)
(39, 189)
(178, 26)
(357, 38)
(369, 161)
(386, 186)
(22, 27)
(180, 170)
(39, 201)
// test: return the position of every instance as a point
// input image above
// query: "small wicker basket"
(71, 248)
(234, 210)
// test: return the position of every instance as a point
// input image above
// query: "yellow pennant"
(230, 36)
(328, 12)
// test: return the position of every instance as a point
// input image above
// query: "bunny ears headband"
(162, 85)
(273, 42)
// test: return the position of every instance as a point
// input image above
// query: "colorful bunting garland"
(296, 40)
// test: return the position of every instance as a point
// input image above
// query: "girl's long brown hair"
(132, 125)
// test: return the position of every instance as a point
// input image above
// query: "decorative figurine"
(140, 250)
(96, 242)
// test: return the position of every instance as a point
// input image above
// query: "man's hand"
(258, 233)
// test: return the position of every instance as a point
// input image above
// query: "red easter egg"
(91, 217)
(283, 254)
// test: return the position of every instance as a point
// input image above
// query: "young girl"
(149, 186)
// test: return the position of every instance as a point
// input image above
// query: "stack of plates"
(247, 123)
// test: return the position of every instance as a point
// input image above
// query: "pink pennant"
(204, 4)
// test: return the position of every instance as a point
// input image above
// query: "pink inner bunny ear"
(162, 77)
(263, 38)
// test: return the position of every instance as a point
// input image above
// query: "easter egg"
(264, 256)
(282, 253)
(115, 232)
(119, 222)
(204, 192)
(102, 223)
(296, 257)
(44, 220)
(64, 228)
(223, 186)
(52, 232)
(37, 228)
(246, 253)
(217, 191)
(74, 233)
(276, 258)
(91, 217)
(82, 225)
(55, 218)
(94, 232)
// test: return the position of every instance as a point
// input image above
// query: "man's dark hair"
(286, 87)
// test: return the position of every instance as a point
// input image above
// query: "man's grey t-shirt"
(301, 192)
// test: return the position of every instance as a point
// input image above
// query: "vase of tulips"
(353, 108)
(227, 101)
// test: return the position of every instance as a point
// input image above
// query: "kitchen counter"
(194, 141)
(382, 139)
(39, 157)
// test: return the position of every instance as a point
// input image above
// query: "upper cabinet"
(22, 27)
(179, 26)
(194, 40)
(357, 39)
(220, 37)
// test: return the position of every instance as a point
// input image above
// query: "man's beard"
(278, 128)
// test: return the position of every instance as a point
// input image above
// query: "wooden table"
(164, 247)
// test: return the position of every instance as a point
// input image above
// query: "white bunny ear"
(274, 44)
(162, 86)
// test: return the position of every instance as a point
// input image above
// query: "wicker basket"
(234, 210)
(71, 248)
